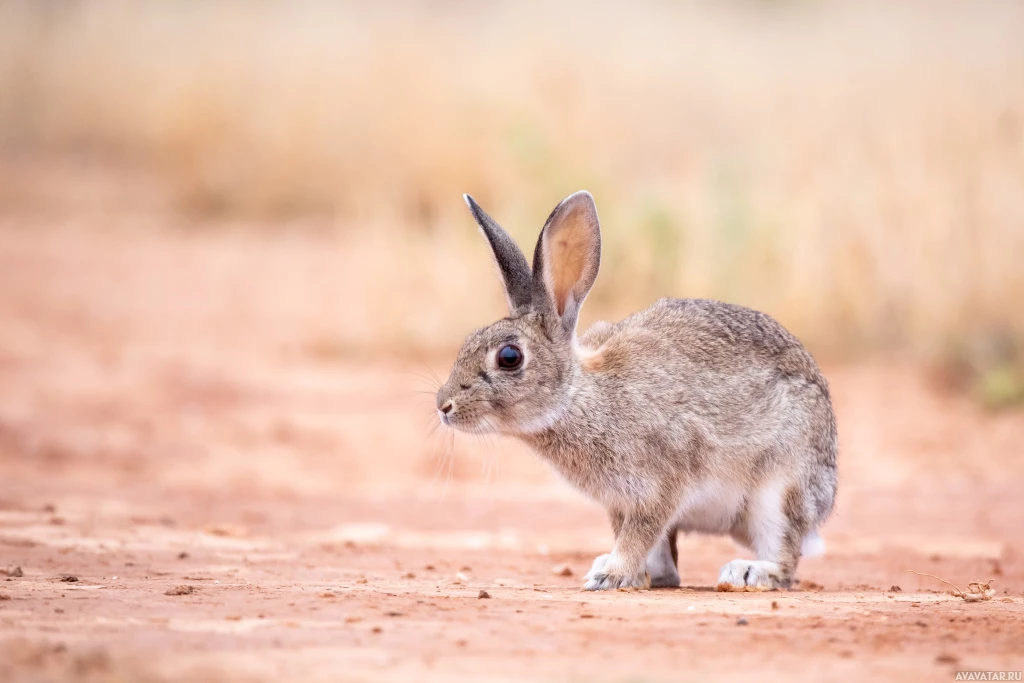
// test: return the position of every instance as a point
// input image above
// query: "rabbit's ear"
(566, 261)
(515, 271)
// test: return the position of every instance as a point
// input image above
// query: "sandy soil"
(192, 488)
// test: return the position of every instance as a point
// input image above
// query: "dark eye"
(510, 357)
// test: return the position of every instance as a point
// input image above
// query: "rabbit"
(692, 415)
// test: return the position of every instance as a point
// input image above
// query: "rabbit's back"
(724, 374)
(726, 338)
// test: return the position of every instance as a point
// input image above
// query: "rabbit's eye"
(510, 357)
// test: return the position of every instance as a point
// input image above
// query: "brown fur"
(691, 415)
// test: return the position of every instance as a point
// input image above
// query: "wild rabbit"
(692, 415)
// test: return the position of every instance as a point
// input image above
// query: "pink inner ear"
(570, 248)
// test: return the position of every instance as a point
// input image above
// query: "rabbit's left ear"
(515, 271)
(566, 261)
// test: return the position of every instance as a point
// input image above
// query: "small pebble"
(483, 594)
(742, 622)
(562, 570)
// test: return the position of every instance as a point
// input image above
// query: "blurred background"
(235, 263)
(854, 168)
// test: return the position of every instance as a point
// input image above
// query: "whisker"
(442, 455)
(451, 466)
(438, 443)
(486, 436)
(493, 459)
(430, 380)
(431, 424)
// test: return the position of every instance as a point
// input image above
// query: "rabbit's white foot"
(662, 567)
(751, 575)
(605, 575)
(599, 563)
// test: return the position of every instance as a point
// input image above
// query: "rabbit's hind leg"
(775, 524)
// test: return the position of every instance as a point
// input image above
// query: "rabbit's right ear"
(515, 271)
(566, 261)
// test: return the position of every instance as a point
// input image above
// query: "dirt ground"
(193, 488)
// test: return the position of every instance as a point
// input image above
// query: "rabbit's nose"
(447, 407)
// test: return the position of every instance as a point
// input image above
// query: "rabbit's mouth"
(471, 421)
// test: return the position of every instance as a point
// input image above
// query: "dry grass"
(856, 169)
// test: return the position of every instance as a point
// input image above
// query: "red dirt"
(164, 423)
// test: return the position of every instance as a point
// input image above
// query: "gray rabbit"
(692, 415)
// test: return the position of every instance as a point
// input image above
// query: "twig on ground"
(976, 590)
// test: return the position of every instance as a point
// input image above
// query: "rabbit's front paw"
(605, 574)
(751, 575)
(599, 562)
